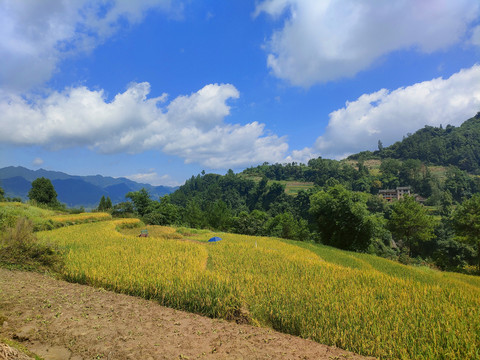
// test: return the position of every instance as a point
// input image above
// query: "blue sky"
(159, 90)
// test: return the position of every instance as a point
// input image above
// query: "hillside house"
(395, 194)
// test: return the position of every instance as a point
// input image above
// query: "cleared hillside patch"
(293, 187)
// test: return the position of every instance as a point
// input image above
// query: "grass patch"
(11, 211)
(19, 349)
(293, 187)
(44, 219)
(19, 248)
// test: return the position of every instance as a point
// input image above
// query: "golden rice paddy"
(358, 302)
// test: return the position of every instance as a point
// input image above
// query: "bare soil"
(58, 320)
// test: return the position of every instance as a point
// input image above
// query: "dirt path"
(64, 321)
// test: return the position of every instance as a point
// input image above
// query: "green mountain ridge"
(457, 146)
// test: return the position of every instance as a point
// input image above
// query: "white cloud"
(37, 161)
(475, 39)
(36, 35)
(302, 156)
(326, 40)
(191, 127)
(154, 179)
(388, 115)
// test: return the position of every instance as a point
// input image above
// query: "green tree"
(193, 215)
(219, 216)
(380, 146)
(102, 205)
(342, 218)
(43, 192)
(255, 196)
(2, 194)
(466, 222)
(105, 204)
(446, 204)
(108, 203)
(301, 205)
(410, 224)
(141, 200)
(272, 195)
(123, 209)
(390, 170)
(162, 212)
(287, 227)
(458, 183)
(451, 255)
(252, 223)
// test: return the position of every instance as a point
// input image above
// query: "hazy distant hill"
(117, 191)
(16, 186)
(74, 190)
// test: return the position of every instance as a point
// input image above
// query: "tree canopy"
(342, 218)
(410, 223)
(43, 192)
(141, 200)
(105, 204)
(466, 221)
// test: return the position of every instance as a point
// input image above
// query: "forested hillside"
(458, 146)
(337, 202)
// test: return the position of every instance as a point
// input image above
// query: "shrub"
(20, 247)
(131, 225)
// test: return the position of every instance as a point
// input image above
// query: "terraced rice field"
(357, 302)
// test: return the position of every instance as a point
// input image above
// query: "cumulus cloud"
(387, 115)
(36, 35)
(191, 127)
(326, 40)
(302, 156)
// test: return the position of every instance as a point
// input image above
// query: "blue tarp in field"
(215, 239)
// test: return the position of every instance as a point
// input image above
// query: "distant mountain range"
(72, 190)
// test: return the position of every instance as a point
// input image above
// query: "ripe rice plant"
(158, 231)
(358, 302)
(80, 218)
